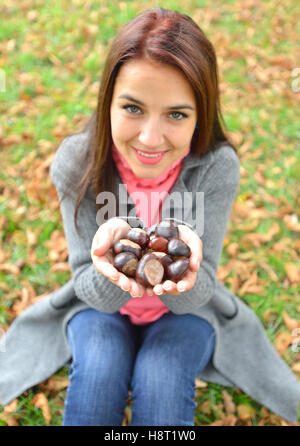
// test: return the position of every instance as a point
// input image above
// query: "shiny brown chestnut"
(176, 270)
(166, 229)
(159, 244)
(125, 245)
(178, 248)
(174, 258)
(165, 261)
(149, 270)
(126, 262)
(139, 236)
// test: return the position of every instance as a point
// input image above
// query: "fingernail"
(181, 287)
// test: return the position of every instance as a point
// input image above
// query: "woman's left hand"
(189, 279)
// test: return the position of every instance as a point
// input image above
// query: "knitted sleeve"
(89, 285)
(220, 186)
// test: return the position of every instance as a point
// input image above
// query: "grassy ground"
(51, 58)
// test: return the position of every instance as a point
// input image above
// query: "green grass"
(56, 50)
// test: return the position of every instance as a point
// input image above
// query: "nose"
(151, 134)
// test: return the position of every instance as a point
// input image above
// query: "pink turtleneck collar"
(164, 180)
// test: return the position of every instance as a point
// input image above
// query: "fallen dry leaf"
(40, 401)
(10, 420)
(62, 266)
(291, 224)
(57, 383)
(233, 249)
(269, 270)
(270, 315)
(282, 341)
(13, 269)
(11, 407)
(296, 367)
(289, 321)
(293, 272)
(245, 412)
(200, 384)
(229, 420)
(205, 407)
(228, 403)
(257, 238)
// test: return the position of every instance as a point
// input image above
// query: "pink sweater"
(147, 308)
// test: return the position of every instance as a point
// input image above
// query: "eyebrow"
(137, 101)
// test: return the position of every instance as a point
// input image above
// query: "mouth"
(150, 154)
(149, 157)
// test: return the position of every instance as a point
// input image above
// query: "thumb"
(103, 244)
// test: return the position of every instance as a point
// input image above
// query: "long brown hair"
(164, 36)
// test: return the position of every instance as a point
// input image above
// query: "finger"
(107, 270)
(187, 282)
(169, 286)
(107, 234)
(105, 267)
(136, 290)
(158, 289)
(108, 256)
(102, 243)
(124, 282)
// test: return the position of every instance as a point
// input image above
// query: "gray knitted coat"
(36, 345)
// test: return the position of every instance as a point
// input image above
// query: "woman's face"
(158, 116)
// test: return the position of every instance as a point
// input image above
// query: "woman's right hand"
(109, 233)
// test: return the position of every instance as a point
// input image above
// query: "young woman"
(156, 133)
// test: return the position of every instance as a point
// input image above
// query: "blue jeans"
(158, 362)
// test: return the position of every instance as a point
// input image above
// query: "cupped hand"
(189, 279)
(107, 234)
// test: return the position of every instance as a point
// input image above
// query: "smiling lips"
(149, 157)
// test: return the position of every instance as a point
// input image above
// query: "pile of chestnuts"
(152, 259)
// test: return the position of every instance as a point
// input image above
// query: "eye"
(133, 110)
(128, 106)
(181, 115)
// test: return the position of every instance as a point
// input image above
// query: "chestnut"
(158, 244)
(158, 254)
(166, 229)
(139, 236)
(178, 248)
(126, 262)
(125, 245)
(151, 258)
(149, 270)
(174, 258)
(177, 269)
(165, 260)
